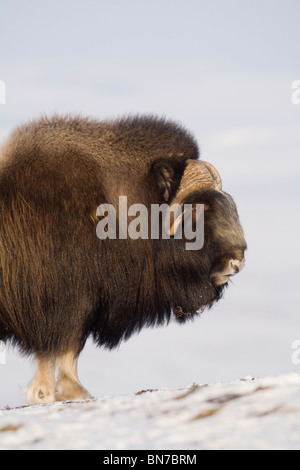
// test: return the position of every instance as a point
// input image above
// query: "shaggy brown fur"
(59, 283)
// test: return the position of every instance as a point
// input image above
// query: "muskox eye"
(167, 175)
(163, 175)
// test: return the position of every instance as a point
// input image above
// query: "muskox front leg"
(68, 387)
(41, 389)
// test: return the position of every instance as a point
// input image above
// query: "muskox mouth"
(213, 293)
(209, 287)
(231, 268)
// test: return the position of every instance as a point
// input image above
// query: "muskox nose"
(235, 266)
(230, 268)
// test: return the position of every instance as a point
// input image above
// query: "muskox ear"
(167, 175)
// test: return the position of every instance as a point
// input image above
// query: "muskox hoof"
(39, 393)
(68, 389)
(41, 389)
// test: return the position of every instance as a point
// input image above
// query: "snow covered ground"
(245, 414)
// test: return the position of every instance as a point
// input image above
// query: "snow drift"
(245, 414)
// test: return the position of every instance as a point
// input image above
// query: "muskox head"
(223, 252)
(224, 238)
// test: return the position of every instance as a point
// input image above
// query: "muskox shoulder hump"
(131, 137)
(153, 134)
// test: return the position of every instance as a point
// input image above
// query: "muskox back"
(58, 281)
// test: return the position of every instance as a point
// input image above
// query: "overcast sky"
(225, 70)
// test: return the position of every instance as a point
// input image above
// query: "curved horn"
(214, 174)
(197, 175)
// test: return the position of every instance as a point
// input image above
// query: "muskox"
(61, 283)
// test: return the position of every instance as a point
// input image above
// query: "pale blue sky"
(225, 70)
